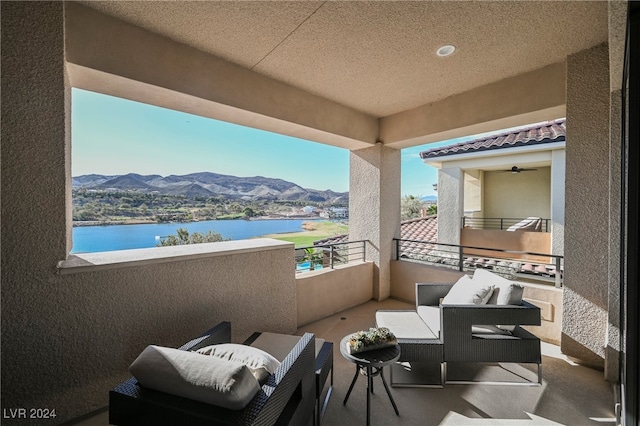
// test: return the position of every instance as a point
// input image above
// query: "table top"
(374, 358)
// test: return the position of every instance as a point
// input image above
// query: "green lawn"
(315, 231)
(301, 241)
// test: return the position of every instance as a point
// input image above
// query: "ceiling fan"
(516, 169)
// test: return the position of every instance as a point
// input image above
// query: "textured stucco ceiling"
(377, 57)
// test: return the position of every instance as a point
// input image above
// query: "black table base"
(371, 364)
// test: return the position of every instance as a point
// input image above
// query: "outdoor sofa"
(475, 320)
(287, 398)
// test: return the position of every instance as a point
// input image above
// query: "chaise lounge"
(287, 397)
(475, 320)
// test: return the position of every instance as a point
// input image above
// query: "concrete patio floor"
(570, 394)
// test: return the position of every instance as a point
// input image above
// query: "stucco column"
(450, 204)
(558, 158)
(586, 275)
(374, 209)
(36, 176)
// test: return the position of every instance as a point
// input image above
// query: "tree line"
(108, 206)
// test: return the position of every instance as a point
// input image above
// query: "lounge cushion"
(211, 380)
(491, 329)
(260, 363)
(431, 317)
(468, 292)
(505, 292)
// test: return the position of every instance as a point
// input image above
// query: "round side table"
(372, 364)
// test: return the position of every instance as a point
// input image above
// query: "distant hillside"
(207, 184)
(430, 198)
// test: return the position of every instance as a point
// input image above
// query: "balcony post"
(558, 159)
(374, 208)
(450, 204)
(558, 274)
(332, 256)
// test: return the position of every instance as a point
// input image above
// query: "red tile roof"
(548, 132)
(422, 228)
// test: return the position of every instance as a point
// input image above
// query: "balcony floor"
(570, 394)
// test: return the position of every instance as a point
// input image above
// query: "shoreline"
(150, 222)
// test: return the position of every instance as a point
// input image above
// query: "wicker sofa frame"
(287, 398)
(461, 344)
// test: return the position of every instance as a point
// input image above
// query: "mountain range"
(208, 184)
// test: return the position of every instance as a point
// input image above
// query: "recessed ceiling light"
(446, 50)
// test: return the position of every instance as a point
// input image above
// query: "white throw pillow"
(505, 292)
(215, 381)
(467, 292)
(260, 363)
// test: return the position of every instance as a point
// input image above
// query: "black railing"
(509, 263)
(324, 256)
(503, 223)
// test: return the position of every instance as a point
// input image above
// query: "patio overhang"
(169, 74)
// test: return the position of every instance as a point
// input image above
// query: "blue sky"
(113, 136)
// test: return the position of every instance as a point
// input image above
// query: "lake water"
(87, 239)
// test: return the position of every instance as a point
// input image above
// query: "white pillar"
(374, 208)
(450, 204)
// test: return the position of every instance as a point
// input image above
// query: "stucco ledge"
(92, 262)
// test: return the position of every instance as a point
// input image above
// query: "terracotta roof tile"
(336, 239)
(551, 131)
(423, 229)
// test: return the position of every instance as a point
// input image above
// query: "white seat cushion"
(260, 363)
(505, 292)
(490, 329)
(406, 324)
(279, 345)
(468, 292)
(211, 380)
(431, 316)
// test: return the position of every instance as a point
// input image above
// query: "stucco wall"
(68, 339)
(405, 275)
(450, 200)
(587, 204)
(473, 181)
(517, 195)
(549, 300)
(374, 208)
(499, 105)
(327, 291)
(532, 242)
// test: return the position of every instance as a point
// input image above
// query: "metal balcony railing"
(324, 256)
(500, 223)
(511, 264)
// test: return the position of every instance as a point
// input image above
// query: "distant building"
(517, 174)
(335, 213)
(340, 212)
